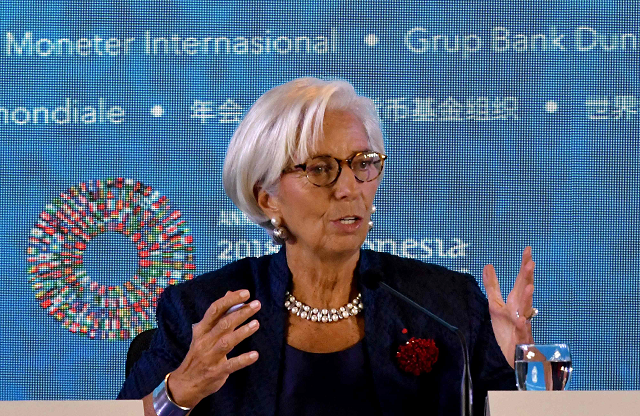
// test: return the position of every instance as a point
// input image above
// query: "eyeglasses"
(325, 170)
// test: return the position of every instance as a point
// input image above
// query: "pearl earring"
(278, 231)
(373, 211)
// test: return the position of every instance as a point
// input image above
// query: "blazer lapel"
(384, 319)
(383, 333)
(262, 380)
(389, 323)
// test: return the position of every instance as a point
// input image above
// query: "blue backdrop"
(506, 123)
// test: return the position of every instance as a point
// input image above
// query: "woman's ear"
(267, 202)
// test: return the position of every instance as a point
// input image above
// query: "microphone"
(373, 279)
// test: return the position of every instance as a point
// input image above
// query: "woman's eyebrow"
(352, 154)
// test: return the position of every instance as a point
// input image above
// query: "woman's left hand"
(509, 320)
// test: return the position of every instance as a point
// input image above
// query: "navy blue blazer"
(453, 296)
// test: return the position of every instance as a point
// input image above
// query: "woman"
(305, 164)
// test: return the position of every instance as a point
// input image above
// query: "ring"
(534, 313)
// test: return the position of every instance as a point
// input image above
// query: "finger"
(229, 341)
(230, 322)
(241, 361)
(526, 255)
(517, 298)
(219, 307)
(492, 286)
(525, 276)
(527, 300)
(522, 324)
(526, 260)
(524, 333)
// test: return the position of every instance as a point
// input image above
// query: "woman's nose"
(347, 184)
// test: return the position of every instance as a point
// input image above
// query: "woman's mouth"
(348, 224)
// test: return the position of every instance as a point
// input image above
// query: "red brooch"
(417, 355)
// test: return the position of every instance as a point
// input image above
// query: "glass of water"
(542, 367)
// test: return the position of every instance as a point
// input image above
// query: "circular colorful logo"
(66, 227)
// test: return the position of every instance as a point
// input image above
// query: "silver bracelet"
(163, 403)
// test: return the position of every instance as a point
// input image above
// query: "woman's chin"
(332, 245)
(342, 244)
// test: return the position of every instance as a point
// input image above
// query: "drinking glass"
(542, 367)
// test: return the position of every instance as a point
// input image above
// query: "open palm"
(509, 320)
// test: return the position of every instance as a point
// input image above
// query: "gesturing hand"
(206, 367)
(509, 320)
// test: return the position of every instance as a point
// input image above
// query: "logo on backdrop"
(68, 225)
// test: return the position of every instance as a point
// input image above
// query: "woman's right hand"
(206, 368)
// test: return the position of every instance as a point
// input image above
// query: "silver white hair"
(283, 126)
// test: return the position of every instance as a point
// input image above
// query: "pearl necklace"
(323, 315)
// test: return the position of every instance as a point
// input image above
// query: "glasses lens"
(367, 166)
(322, 170)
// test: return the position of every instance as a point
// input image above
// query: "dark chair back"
(139, 344)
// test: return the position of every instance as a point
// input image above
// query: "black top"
(388, 323)
(337, 383)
